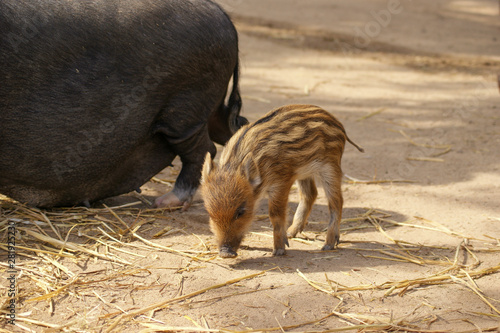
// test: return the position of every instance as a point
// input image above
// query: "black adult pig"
(98, 96)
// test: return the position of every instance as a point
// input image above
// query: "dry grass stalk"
(40, 323)
(72, 246)
(77, 281)
(371, 114)
(472, 286)
(160, 328)
(55, 292)
(442, 229)
(132, 231)
(107, 244)
(160, 305)
(404, 284)
(446, 147)
(445, 151)
(359, 328)
(352, 180)
(57, 254)
(382, 231)
(434, 157)
(163, 181)
(391, 324)
(51, 225)
(168, 249)
(127, 228)
(425, 159)
(213, 299)
(318, 285)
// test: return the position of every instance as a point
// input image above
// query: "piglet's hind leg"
(332, 185)
(308, 194)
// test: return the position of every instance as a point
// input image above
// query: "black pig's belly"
(92, 180)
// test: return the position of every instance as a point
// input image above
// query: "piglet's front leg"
(278, 203)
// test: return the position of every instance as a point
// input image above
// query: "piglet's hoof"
(279, 252)
(171, 201)
(328, 247)
(226, 252)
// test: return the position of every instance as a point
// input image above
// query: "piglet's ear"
(208, 167)
(251, 171)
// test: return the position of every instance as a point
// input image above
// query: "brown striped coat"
(288, 144)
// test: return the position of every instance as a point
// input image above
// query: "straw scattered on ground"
(47, 240)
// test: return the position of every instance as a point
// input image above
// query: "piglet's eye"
(240, 211)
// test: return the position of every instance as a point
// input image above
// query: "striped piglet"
(290, 143)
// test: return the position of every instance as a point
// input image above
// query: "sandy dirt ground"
(415, 85)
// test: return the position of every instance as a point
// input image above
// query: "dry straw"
(52, 244)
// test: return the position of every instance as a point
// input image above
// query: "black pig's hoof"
(171, 201)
